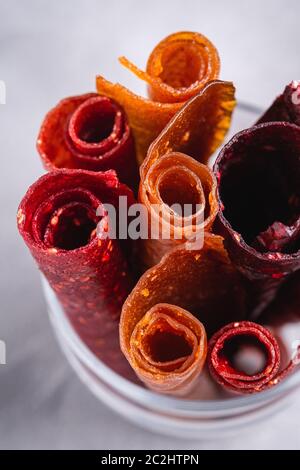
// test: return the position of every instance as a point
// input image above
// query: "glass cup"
(209, 414)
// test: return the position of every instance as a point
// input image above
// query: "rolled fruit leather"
(174, 305)
(226, 366)
(88, 132)
(87, 270)
(178, 68)
(286, 106)
(173, 173)
(258, 175)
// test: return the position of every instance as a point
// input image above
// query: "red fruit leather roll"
(89, 132)
(286, 107)
(160, 330)
(172, 173)
(86, 269)
(258, 174)
(230, 341)
(178, 68)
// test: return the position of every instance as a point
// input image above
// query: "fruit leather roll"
(258, 174)
(225, 358)
(178, 68)
(87, 269)
(177, 190)
(89, 132)
(164, 320)
(286, 106)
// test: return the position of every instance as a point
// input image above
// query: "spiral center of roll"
(166, 344)
(92, 122)
(181, 64)
(260, 191)
(180, 190)
(245, 354)
(71, 227)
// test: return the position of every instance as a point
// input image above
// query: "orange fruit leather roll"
(172, 174)
(177, 69)
(160, 330)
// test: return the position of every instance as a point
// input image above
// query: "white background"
(52, 49)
